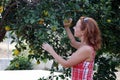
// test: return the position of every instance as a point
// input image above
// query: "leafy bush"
(20, 63)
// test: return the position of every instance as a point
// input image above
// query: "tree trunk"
(2, 34)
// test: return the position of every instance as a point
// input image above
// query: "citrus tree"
(37, 21)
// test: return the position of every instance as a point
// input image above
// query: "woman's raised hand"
(67, 22)
(47, 47)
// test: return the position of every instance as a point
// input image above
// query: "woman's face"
(77, 31)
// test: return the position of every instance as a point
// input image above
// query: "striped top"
(84, 70)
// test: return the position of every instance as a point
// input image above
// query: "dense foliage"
(20, 63)
(37, 21)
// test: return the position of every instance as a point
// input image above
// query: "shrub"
(20, 63)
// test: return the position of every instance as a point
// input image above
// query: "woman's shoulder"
(86, 48)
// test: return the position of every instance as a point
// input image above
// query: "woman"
(82, 60)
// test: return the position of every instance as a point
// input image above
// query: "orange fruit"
(108, 20)
(38, 61)
(54, 28)
(41, 21)
(45, 13)
(1, 9)
(17, 65)
(7, 28)
(66, 21)
(16, 52)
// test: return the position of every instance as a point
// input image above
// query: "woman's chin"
(75, 35)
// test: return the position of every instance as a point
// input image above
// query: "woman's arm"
(74, 43)
(80, 55)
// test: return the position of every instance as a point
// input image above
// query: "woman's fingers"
(70, 19)
(44, 45)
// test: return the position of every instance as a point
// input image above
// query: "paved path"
(25, 75)
(28, 75)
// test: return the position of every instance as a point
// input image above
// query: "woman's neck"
(83, 41)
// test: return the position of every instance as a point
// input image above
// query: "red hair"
(92, 35)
